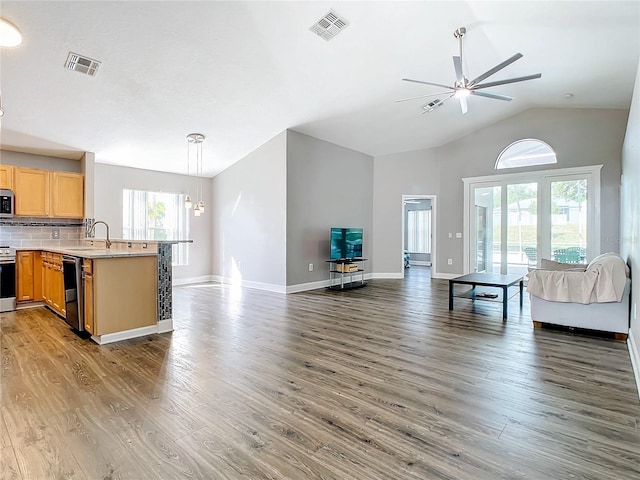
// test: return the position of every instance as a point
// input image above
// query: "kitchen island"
(124, 291)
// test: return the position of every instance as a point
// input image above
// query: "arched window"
(526, 153)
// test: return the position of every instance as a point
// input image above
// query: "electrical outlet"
(55, 233)
(449, 261)
(311, 267)
(450, 235)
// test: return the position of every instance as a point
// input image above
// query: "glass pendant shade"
(187, 202)
(201, 206)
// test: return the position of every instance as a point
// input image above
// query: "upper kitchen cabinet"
(6, 177)
(45, 193)
(67, 195)
(32, 193)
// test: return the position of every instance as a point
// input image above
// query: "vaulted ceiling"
(241, 72)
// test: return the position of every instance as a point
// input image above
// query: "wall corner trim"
(634, 353)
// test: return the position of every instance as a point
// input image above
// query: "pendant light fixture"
(196, 140)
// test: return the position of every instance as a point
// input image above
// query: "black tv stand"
(342, 269)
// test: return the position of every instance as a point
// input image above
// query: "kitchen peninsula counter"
(127, 288)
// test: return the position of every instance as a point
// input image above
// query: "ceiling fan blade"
(495, 69)
(509, 80)
(427, 83)
(492, 95)
(457, 65)
(463, 104)
(422, 96)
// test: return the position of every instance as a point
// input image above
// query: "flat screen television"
(346, 243)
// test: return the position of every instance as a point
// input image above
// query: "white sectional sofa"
(594, 296)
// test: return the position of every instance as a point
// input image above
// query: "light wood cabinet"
(67, 195)
(25, 270)
(32, 193)
(29, 276)
(124, 294)
(44, 193)
(6, 177)
(53, 284)
(87, 273)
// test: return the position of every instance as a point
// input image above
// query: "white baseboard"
(165, 326)
(634, 353)
(269, 287)
(303, 287)
(388, 275)
(192, 280)
(126, 335)
(445, 276)
(420, 263)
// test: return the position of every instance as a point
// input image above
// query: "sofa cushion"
(551, 265)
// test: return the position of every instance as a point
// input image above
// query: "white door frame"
(543, 177)
(434, 223)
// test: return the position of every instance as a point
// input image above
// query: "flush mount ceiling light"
(195, 140)
(10, 36)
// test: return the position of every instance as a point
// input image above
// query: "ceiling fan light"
(462, 93)
(10, 36)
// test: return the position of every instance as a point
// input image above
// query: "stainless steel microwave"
(6, 203)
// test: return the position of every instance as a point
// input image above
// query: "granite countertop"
(92, 253)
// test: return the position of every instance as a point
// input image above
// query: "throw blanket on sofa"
(603, 281)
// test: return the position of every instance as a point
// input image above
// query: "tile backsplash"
(40, 232)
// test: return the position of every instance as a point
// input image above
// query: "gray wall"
(249, 218)
(327, 186)
(579, 136)
(410, 173)
(630, 215)
(110, 180)
(39, 161)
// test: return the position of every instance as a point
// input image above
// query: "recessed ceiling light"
(568, 95)
(10, 36)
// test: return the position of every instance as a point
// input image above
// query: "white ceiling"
(242, 72)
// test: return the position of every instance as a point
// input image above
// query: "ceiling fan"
(462, 87)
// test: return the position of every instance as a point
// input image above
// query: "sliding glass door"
(514, 220)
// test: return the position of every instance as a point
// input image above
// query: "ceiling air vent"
(431, 106)
(329, 25)
(81, 64)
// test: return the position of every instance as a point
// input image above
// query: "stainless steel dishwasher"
(73, 291)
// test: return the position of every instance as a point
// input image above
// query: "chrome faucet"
(93, 228)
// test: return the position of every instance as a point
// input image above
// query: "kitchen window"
(156, 216)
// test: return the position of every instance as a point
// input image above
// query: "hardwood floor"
(377, 383)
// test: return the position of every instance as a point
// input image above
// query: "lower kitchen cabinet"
(87, 273)
(29, 276)
(53, 282)
(120, 294)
